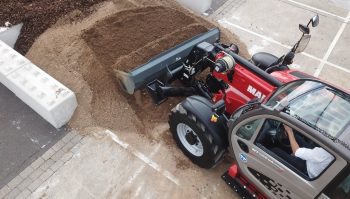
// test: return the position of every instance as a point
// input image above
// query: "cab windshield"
(320, 106)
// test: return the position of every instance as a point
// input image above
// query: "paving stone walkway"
(45, 166)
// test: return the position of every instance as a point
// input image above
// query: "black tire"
(213, 148)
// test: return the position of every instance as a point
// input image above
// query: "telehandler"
(242, 108)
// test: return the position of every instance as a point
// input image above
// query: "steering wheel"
(281, 135)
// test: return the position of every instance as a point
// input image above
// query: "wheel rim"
(184, 132)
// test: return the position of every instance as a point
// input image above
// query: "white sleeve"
(305, 153)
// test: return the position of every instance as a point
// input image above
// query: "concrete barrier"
(45, 95)
(198, 6)
(10, 35)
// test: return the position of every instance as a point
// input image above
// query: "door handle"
(243, 146)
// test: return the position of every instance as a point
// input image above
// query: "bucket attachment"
(165, 66)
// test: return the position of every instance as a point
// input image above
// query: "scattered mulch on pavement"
(37, 16)
(182, 163)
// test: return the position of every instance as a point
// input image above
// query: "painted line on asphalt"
(140, 169)
(137, 173)
(331, 47)
(138, 190)
(316, 10)
(226, 22)
(143, 157)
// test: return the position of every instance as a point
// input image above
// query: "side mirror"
(315, 20)
(302, 44)
(304, 29)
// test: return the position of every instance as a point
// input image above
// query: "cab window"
(247, 131)
(308, 161)
(318, 105)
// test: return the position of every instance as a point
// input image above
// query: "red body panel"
(245, 86)
(233, 171)
(285, 76)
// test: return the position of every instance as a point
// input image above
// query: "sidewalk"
(43, 168)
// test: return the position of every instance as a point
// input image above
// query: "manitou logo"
(255, 92)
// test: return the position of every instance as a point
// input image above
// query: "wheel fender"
(202, 109)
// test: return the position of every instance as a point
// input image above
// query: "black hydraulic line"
(256, 70)
(168, 91)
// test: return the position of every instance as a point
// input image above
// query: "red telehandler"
(242, 107)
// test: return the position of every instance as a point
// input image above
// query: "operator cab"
(318, 115)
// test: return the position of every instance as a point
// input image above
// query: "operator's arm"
(293, 143)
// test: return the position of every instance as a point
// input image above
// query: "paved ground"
(42, 168)
(24, 135)
(125, 165)
(272, 26)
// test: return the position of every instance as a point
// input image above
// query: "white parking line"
(143, 157)
(140, 169)
(331, 47)
(138, 190)
(343, 19)
(224, 22)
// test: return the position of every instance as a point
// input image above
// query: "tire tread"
(216, 150)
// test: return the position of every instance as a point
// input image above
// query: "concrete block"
(10, 60)
(10, 35)
(199, 6)
(45, 95)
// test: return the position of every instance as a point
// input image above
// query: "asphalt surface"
(24, 135)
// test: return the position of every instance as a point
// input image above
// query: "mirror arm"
(309, 23)
(294, 47)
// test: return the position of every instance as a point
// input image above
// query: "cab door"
(268, 172)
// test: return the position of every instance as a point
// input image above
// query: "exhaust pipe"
(166, 65)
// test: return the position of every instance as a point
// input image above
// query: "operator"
(317, 159)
